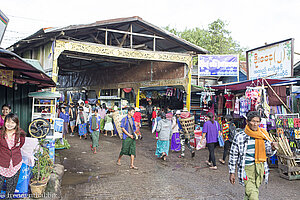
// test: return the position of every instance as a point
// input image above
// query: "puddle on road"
(71, 178)
(77, 178)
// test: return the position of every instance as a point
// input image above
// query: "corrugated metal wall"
(20, 103)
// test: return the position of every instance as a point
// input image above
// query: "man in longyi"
(249, 151)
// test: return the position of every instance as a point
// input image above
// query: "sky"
(252, 23)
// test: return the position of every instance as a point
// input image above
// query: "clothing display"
(220, 104)
(281, 92)
(228, 98)
(244, 106)
(237, 106)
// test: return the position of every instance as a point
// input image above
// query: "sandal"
(118, 163)
(222, 161)
(180, 156)
(208, 163)
(193, 154)
(163, 156)
(134, 167)
(213, 167)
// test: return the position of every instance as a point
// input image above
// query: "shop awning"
(23, 71)
(244, 84)
(44, 94)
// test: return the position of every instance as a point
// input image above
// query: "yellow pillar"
(54, 74)
(137, 100)
(189, 88)
(54, 78)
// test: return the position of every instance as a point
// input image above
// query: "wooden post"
(154, 43)
(131, 37)
(106, 36)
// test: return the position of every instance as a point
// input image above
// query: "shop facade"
(18, 79)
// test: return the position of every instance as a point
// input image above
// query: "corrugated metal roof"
(25, 72)
(172, 41)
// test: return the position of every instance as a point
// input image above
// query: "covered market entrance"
(114, 54)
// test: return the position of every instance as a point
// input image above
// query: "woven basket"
(117, 120)
(188, 126)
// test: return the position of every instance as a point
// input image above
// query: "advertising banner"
(3, 24)
(273, 60)
(218, 65)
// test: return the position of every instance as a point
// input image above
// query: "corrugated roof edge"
(34, 67)
(118, 20)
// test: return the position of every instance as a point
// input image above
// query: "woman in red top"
(137, 120)
(12, 138)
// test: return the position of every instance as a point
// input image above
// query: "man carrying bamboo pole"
(249, 150)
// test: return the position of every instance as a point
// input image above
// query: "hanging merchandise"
(155, 95)
(280, 91)
(228, 98)
(220, 104)
(149, 94)
(237, 106)
(244, 106)
(263, 123)
(169, 92)
(289, 125)
(142, 95)
(127, 90)
(255, 95)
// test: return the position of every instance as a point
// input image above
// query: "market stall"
(275, 102)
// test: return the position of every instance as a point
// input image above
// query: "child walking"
(108, 124)
(229, 129)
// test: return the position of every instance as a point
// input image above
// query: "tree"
(216, 39)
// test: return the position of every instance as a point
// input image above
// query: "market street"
(96, 176)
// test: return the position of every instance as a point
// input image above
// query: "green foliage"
(216, 39)
(65, 144)
(43, 166)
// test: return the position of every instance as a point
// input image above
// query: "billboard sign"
(218, 65)
(3, 25)
(273, 61)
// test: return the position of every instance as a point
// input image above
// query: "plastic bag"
(221, 141)
(199, 144)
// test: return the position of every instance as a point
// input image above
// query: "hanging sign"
(6, 78)
(274, 59)
(218, 65)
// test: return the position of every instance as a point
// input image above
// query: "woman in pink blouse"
(12, 138)
(6, 109)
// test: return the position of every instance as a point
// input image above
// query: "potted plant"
(41, 171)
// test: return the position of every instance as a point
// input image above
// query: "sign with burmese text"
(218, 65)
(272, 61)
